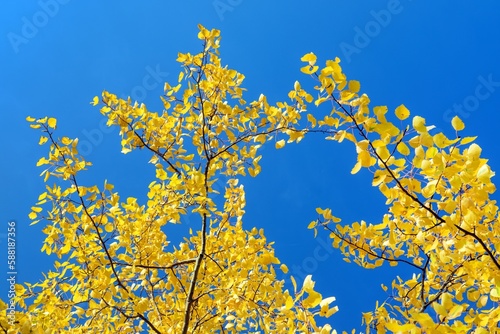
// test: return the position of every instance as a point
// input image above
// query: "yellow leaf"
(66, 140)
(320, 100)
(354, 86)
(440, 309)
(260, 138)
(327, 301)
(66, 248)
(330, 312)
(386, 128)
(403, 149)
(309, 69)
(325, 311)
(161, 174)
(52, 122)
(42, 140)
(364, 158)
(42, 161)
(455, 312)
(289, 303)
(95, 101)
(313, 299)
(397, 328)
(284, 268)
(473, 295)
(376, 143)
(346, 95)
(447, 300)
(280, 143)
(253, 171)
(32, 215)
(380, 112)
(441, 140)
(308, 284)
(457, 123)
(294, 283)
(423, 319)
(419, 124)
(42, 196)
(467, 140)
(402, 112)
(383, 153)
(330, 121)
(474, 152)
(356, 168)
(142, 306)
(30, 119)
(429, 189)
(481, 330)
(311, 119)
(482, 301)
(484, 174)
(78, 296)
(309, 57)
(204, 33)
(36, 209)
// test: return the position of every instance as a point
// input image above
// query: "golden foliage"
(441, 222)
(120, 273)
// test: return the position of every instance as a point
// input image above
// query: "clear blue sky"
(438, 58)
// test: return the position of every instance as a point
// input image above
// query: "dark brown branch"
(199, 259)
(449, 281)
(101, 240)
(481, 242)
(402, 188)
(173, 265)
(369, 251)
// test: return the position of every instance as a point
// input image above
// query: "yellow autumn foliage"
(118, 272)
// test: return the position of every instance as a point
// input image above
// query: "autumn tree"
(440, 223)
(118, 271)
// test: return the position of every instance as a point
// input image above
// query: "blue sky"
(439, 59)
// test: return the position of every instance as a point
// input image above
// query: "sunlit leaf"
(402, 112)
(457, 123)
